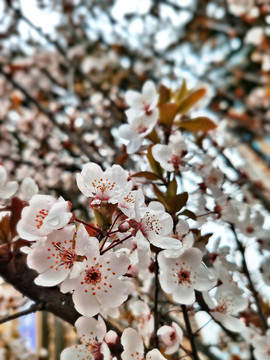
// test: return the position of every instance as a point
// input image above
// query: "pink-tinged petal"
(85, 302)
(69, 285)
(134, 99)
(3, 176)
(27, 232)
(78, 352)
(161, 154)
(149, 93)
(52, 277)
(184, 295)
(89, 172)
(85, 325)
(8, 190)
(154, 355)
(144, 254)
(209, 301)
(192, 257)
(130, 138)
(117, 263)
(165, 242)
(134, 113)
(132, 344)
(58, 216)
(204, 279)
(113, 294)
(231, 323)
(38, 259)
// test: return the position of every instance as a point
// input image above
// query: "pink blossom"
(43, 215)
(102, 186)
(182, 275)
(98, 282)
(171, 337)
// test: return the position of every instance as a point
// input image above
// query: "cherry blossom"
(142, 104)
(156, 226)
(171, 337)
(91, 335)
(7, 189)
(227, 303)
(143, 319)
(98, 284)
(262, 347)
(29, 188)
(102, 186)
(181, 275)
(133, 133)
(172, 157)
(43, 215)
(134, 349)
(265, 270)
(57, 256)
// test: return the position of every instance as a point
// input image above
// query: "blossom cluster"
(147, 231)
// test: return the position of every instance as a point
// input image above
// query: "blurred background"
(64, 68)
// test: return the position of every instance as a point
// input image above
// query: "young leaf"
(172, 189)
(178, 202)
(181, 92)
(190, 99)
(162, 198)
(189, 214)
(157, 169)
(167, 113)
(147, 174)
(164, 95)
(201, 123)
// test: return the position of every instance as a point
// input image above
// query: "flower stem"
(87, 224)
(194, 355)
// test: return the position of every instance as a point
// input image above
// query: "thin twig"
(33, 308)
(250, 282)
(190, 334)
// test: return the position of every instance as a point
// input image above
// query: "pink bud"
(111, 338)
(133, 271)
(124, 227)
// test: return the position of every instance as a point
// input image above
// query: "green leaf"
(147, 174)
(178, 202)
(201, 123)
(157, 169)
(101, 219)
(189, 214)
(190, 99)
(167, 113)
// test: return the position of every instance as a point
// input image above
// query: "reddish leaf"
(162, 198)
(181, 92)
(147, 174)
(157, 169)
(190, 99)
(189, 214)
(5, 236)
(172, 189)
(16, 208)
(167, 113)
(178, 202)
(164, 94)
(153, 136)
(201, 123)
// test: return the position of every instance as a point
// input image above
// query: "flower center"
(184, 276)
(93, 276)
(67, 256)
(40, 217)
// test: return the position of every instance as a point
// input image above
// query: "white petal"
(8, 190)
(52, 277)
(231, 323)
(79, 352)
(85, 303)
(154, 355)
(132, 344)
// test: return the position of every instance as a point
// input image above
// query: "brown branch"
(32, 308)
(17, 273)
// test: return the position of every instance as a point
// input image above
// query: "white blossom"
(7, 189)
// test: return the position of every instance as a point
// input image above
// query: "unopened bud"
(133, 271)
(112, 339)
(124, 227)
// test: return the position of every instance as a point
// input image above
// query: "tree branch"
(32, 308)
